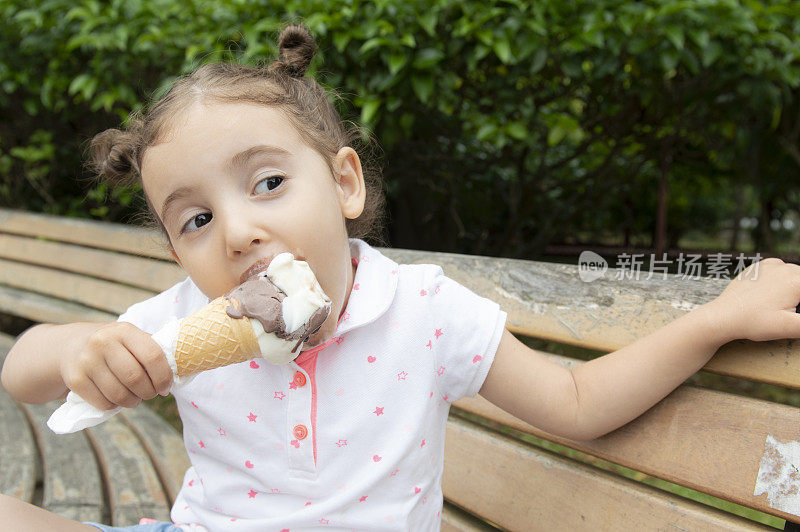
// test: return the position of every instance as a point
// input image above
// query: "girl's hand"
(760, 303)
(119, 365)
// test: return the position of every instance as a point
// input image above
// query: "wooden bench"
(60, 270)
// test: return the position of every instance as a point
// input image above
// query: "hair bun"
(112, 155)
(296, 47)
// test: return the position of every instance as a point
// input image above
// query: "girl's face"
(235, 185)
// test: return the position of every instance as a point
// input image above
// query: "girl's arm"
(31, 371)
(603, 394)
(107, 364)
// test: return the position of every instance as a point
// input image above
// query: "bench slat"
(120, 237)
(687, 438)
(455, 519)
(46, 309)
(515, 486)
(72, 485)
(95, 293)
(6, 342)
(134, 489)
(18, 455)
(549, 301)
(141, 272)
(163, 444)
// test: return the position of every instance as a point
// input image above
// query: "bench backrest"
(738, 449)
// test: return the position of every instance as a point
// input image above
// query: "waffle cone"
(209, 338)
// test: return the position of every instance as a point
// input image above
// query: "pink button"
(299, 379)
(300, 432)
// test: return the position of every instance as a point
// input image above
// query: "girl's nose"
(242, 234)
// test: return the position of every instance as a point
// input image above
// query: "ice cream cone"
(210, 338)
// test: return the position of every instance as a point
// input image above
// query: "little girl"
(239, 164)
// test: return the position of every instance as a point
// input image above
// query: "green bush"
(505, 125)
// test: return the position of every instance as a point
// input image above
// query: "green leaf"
(503, 50)
(556, 134)
(700, 37)
(408, 40)
(427, 57)
(539, 60)
(369, 110)
(396, 62)
(675, 36)
(375, 42)
(340, 40)
(79, 84)
(517, 130)
(428, 23)
(486, 131)
(669, 59)
(423, 87)
(711, 53)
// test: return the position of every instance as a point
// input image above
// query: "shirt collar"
(374, 287)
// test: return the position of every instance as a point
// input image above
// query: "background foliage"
(504, 126)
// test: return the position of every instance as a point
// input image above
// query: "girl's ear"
(350, 183)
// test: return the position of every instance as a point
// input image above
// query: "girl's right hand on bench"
(118, 365)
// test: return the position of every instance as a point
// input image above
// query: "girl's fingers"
(112, 388)
(130, 373)
(152, 359)
(92, 395)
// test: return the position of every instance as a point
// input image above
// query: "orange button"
(300, 432)
(299, 378)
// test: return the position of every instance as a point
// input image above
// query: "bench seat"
(499, 472)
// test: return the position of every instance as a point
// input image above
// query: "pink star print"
(394, 272)
(394, 472)
(438, 333)
(422, 444)
(252, 494)
(202, 445)
(341, 443)
(355, 286)
(429, 345)
(423, 293)
(323, 521)
(221, 432)
(252, 417)
(338, 340)
(440, 370)
(292, 385)
(378, 410)
(280, 395)
(362, 499)
(346, 316)
(402, 376)
(194, 405)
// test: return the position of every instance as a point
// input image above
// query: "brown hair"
(116, 155)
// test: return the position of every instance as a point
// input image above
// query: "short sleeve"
(178, 301)
(465, 331)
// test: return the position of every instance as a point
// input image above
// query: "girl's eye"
(205, 217)
(272, 182)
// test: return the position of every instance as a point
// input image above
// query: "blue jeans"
(161, 526)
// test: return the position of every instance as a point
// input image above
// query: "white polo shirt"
(348, 437)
